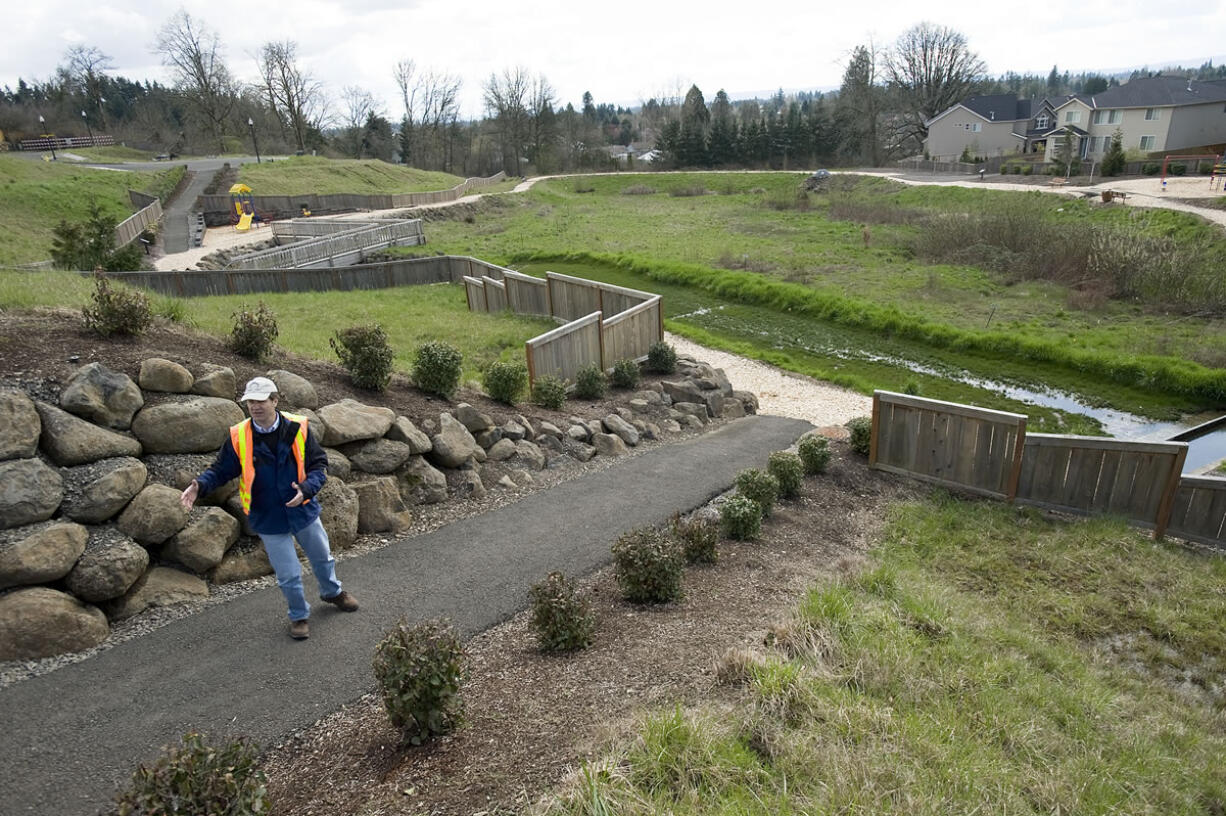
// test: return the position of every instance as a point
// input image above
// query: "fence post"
(1019, 450)
(872, 442)
(531, 367)
(1168, 495)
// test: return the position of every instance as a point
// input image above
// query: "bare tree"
(358, 106)
(295, 96)
(86, 65)
(431, 106)
(193, 53)
(930, 68)
(506, 103)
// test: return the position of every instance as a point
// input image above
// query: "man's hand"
(298, 498)
(188, 497)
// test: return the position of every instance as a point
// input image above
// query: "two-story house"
(1153, 114)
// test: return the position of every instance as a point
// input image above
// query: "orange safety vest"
(240, 438)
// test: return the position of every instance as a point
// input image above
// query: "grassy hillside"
(37, 195)
(299, 175)
(987, 660)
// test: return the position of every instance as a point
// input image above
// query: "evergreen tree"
(90, 245)
(1113, 159)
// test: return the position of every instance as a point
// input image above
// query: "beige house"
(1156, 115)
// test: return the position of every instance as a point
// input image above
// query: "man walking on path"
(281, 468)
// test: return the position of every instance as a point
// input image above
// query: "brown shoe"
(344, 602)
(299, 630)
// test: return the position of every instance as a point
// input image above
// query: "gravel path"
(780, 392)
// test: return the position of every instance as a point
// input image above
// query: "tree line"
(878, 113)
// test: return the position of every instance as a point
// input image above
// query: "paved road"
(71, 736)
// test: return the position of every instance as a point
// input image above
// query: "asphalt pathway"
(72, 736)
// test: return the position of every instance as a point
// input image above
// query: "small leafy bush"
(661, 358)
(591, 382)
(699, 539)
(1177, 169)
(1027, 170)
(1150, 168)
(759, 486)
(436, 368)
(563, 621)
(814, 453)
(688, 191)
(584, 187)
(626, 374)
(505, 381)
(788, 472)
(365, 353)
(170, 308)
(121, 311)
(861, 434)
(549, 392)
(419, 670)
(254, 332)
(198, 778)
(639, 189)
(741, 518)
(648, 565)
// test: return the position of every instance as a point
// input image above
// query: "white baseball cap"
(259, 389)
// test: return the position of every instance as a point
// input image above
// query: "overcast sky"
(622, 52)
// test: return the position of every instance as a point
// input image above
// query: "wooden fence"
(358, 239)
(990, 453)
(562, 352)
(128, 230)
(219, 208)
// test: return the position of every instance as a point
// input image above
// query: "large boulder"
(682, 391)
(608, 444)
(102, 396)
(421, 483)
(616, 425)
(160, 586)
(154, 515)
(40, 554)
(501, 450)
(30, 491)
(157, 374)
(201, 545)
(109, 566)
(69, 440)
(339, 466)
(469, 485)
(403, 430)
(178, 471)
(453, 445)
(95, 492)
(242, 564)
(41, 622)
(530, 454)
(295, 392)
(351, 421)
(215, 381)
(19, 426)
(379, 456)
(380, 508)
(472, 419)
(196, 425)
(338, 512)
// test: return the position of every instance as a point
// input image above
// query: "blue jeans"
(314, 542)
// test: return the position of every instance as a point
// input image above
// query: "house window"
(1042, 122)
(1152, 114)
(1147, 143)
(975, 127)
(1072, 117)
(1116, 117)
(1094, 143)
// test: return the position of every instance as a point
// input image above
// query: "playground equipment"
(1214, 159)
(244, 207)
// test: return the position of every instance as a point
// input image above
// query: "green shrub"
(661, 358)
(788, 471)
(639, 189)
(1150, 168)
(741, 518)
(365, 353)
(563, 621)
(419, 670)
(759, 486)
(699, 539)
(505, 381)
(688, 191)
(436, 368)
(911, 386)
(648, 566)
(814, 453)
(198, 778)
(116, 311)
(626, 373)
(253, 333)
(1027, 170)
(1016, 169)
(591, 382)
(861, 434)
(171, 308)
(90, 245)
(584, 187)
(1177, 169)
(549, 392)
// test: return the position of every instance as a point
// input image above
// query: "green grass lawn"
(302, 175)
(35, 196)
(113, 154)
(988, 660)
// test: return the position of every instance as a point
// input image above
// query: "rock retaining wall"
(92, 532)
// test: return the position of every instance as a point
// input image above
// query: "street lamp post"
(42, 125)
(251, 124)
(88, 128)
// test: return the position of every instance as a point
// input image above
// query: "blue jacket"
(275, 474)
